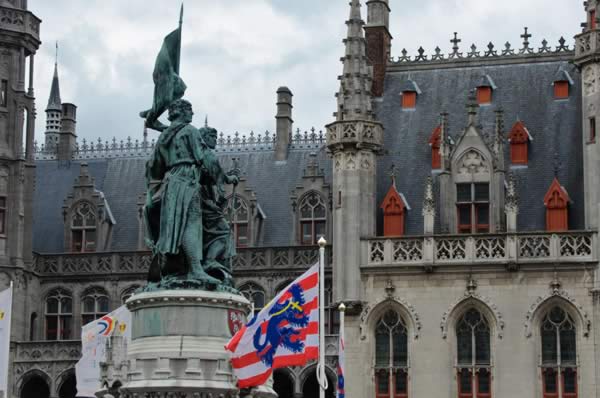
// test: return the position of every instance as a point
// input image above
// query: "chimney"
(68, 137)
(284, 123)
(379, 41)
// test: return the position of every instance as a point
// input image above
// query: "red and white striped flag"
(284, 333)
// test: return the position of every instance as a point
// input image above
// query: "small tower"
(354, 140)
(379, 41)
(53, 113)
(587, 59)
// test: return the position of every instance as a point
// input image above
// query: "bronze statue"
(184, 215)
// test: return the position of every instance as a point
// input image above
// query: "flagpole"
(342, 345)
(9, 337)
(322, 378)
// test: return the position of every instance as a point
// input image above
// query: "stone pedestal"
(177, 347)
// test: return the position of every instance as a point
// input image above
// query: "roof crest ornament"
(455, 48)
(526, 49)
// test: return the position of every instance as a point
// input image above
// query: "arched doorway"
(283, 384)
(68, 388)
(310, 388)
(35, 387)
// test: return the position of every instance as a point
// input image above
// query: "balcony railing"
(247, 259)
(570, 247)
(50, 351)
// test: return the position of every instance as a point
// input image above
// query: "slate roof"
(122, 181)
(525, 92)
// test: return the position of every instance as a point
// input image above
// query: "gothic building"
(460, 192)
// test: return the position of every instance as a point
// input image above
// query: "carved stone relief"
(590, 78)
(472, 162)
(587, 323)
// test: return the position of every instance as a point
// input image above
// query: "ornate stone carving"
(472, 162)
(390, 298)
(590, 77)
(471, 294)
(428, 198)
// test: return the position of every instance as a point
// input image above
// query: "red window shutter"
(561, 89)
(435, 142)
(465, 383)
(519, 139)
(484, 95)
(382, 384)
(593, 19)
(400, 384)
(393, 213)
(569, 383)
(556, 202)
(484, 383)
(409, 99)
(550, 383)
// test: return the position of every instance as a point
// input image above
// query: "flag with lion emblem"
(284, 333)
(5, 317)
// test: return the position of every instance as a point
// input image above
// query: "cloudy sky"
(237, 52)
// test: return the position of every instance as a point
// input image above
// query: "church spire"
(54, 102)
(354, 96)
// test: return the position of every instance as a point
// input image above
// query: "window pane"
(320, 211)
(464, 346)
(77, 220)
(549, 354)
(85, 319)
(307, 237)
(65, 327)
(382, 349)
(482, 192)
(259, 299)
(2, 221)
(77, 239)
(242, 235)
(306, 211)
(51, 326)
(464, 215)
(89, 304)
(383, 382)
(66, 306)
(483, 214)
(567, 345)
(465, 381)
(400, 340)
(52, 306)
(401, 382)
(2, 202)
(103, 305)
(550, 385)
(463, 192)
(319, 229)
(4, 93)
(482, 345)
(570, 377)
(483, 381)
(90, 240)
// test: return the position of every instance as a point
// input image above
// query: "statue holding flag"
(186, 229)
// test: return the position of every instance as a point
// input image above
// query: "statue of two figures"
(185, 221)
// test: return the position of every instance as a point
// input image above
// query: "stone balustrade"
(521, 248)
(586, 44)
(51, 351)
(19, 21)
(248, 259)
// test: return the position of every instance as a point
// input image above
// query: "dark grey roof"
(122, 181)
(525, 92)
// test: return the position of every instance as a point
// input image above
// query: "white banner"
(5, 318)
(94, 339)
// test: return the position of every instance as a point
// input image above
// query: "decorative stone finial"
(472, 106)
(322, 242)
(342, 307)
(526, 49)
(390, 288)
(555, 285)
(428, 199)
(455, 48)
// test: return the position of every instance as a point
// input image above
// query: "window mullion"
(391, 363)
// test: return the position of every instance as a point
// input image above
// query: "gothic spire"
(354, 96)
(54, 102)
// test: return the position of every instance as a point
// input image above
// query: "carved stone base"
(178, 339)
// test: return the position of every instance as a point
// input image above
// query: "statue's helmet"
(178, 107)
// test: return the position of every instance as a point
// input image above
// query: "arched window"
(83, 228)
(94, 305)
(391, 356)
(473, 355)
(313, 218)
(240, 219)
(559, 354)
(59, 315)
(255, 294)
(127, 293)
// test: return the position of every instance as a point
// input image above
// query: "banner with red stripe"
(284, 333)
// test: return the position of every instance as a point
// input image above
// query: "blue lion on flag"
(292, 313)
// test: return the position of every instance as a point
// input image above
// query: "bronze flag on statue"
(168, 86)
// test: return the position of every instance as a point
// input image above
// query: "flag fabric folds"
(341, 369)
(5, 319)
(284, 333)
(94, 339)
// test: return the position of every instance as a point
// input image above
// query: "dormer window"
(409, 94)
(484, 90)
(394, 207)
(313, 218)
(240, 218)
(473, 207)
(557, 202)
(519, 138)
(83, 228)
(409, 100)
(435, 142)
(561, 89)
